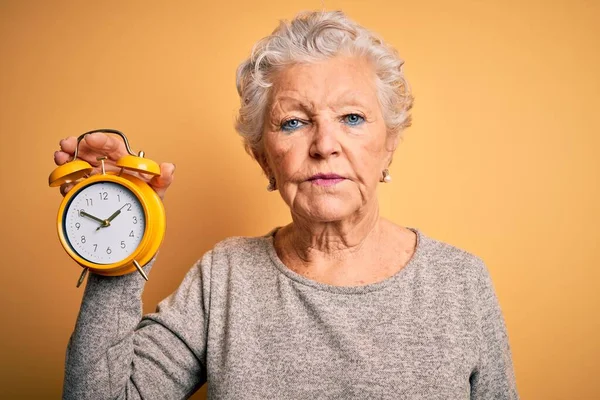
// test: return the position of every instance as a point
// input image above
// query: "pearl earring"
(272, 184)
(386, 177)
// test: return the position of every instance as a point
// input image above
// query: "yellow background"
(502, 159)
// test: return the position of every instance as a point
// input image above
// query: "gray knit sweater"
(251, 328)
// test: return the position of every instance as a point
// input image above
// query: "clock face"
(104, 222)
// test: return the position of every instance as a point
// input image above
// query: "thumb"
(162, 182)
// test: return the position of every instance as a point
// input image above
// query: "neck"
(333, 241)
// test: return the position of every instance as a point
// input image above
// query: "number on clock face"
(104, 223)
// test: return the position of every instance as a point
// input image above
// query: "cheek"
(380, 147)
(283, 159)
(369, 157)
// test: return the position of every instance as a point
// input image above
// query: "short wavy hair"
(312, 37)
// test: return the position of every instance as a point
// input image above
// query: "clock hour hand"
(84, 214)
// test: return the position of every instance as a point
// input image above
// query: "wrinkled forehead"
(334, 82)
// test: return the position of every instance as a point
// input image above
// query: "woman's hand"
(101, 144)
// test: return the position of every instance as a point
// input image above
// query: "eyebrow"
(347, 99)
(290, 99)
(353, 99)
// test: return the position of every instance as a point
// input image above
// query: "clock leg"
(82, 276)
(140, 270)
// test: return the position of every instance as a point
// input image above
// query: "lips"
(325, 176)
(326, 179)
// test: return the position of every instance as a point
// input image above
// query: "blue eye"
(291, 125)
(353, 119)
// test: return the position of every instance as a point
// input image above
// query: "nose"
(325, 142)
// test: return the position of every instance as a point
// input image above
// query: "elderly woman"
(340, 303)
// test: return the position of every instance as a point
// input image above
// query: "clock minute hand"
(117, 213)
(114, 215)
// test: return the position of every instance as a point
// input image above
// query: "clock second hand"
(106, 222)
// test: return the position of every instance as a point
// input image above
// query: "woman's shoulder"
(441, 249)
(445, 257)
(246, 249)
(243, 243)
(430, 249)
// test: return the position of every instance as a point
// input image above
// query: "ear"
(391, 143)
(261, 158)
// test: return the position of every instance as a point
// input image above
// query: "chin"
(329, 211)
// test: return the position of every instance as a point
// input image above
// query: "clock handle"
(104, 131)
(76, 169)
(132, 161)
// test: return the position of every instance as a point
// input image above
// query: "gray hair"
(310, 37)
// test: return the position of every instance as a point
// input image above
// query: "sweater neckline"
(360, 289)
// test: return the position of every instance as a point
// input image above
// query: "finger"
(91, 156)
(60, 157)
(65, 187)
(111, 145)
(161, 183)
(164, 180)
(68, 145)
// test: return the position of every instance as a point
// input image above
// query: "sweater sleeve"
(494, 376)
(114, 353)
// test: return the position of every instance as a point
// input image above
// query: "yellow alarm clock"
(110, 223)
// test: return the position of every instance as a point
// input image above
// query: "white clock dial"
(104, 223)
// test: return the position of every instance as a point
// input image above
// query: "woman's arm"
(494, 376)
(114, 353)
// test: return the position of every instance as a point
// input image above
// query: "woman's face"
(325, 140)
